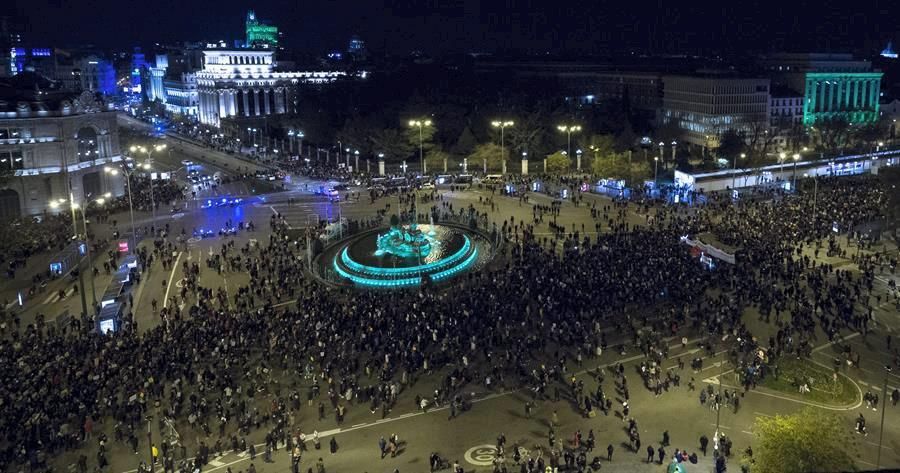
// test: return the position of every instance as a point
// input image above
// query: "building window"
(10, 133)
(88, 145)
(11, 160)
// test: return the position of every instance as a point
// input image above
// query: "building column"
(255, 102)
(268, 107)
(220, 103)
(279, 100)
(245, 102)
(820, 104)
(857, 93)
(872, 95)
(810, 95)
(232, 108)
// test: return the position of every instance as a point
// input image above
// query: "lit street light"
(420, 124)
(568, 130)
(147, 166)
(734, 168)
(794, 177)
(127, 172)
(502, 126)
(781, 158)
(655, 170)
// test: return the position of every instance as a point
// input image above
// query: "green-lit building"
(832, 85)
(260, 35)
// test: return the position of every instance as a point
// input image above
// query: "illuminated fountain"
(408, 255)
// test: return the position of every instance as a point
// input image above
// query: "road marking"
(171, 276)
(481, 455)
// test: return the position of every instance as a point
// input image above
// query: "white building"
(243, 83)
(56, 144)
(704, 106)
(156, 91)
(182, 96)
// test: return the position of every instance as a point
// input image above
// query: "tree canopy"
(558, 163)
(489, 152)
(810, 440)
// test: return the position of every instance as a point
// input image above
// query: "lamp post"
(356, 160)
(127, 174)
(568, 130)
(578, 160)
(781, 158)
(878, 148)
(502, 126)
(420, 124)
(300, 135)
(146, 166)
(796, 157)
(674, 145)
(337, 159)
(662, 153)
(73, 206)
(655, 170)
(884, 398)
(734, 168)
(347, 157)
(290, 134)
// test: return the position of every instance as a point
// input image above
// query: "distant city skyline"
(456, 26)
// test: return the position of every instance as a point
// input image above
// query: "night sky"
(451, 26)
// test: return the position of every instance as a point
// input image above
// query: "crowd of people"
(228, 369)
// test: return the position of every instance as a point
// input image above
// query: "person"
(662, 454)
(609, 452)
(333, 446)
(382, 445)
(703, 444)
(316, 442)
(650, 452)
(665, 438)
(320, 466)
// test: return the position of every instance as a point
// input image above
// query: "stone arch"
(10, 207)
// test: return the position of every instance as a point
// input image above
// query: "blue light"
(425, 268)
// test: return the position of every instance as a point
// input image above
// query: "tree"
(435, 158)
(392, 143)
(465, 143)
(731, 144)
(527, 134)
(833, 132)
(489, 152)
(558, 163)
(613, 166)
(810, 440)
(427, 137)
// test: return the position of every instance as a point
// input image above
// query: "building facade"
(705, 106)
(260, 35)
(56, 144)
(181, 95)
(243, 83)
(833, 85)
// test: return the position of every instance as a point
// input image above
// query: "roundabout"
(406, 255)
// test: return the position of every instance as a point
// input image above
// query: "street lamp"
(420, 124)
(655, 170)
(73, 206)
(568, 130)
(781, 158)
(502, 126)
(578, 160)
(662, 154)
(147, 166)
(880, 144)
(127, 172)
(794, 177)
(734, 168)
(356, 160)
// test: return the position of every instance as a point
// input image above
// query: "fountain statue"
(403, 241)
